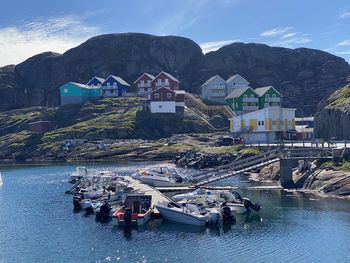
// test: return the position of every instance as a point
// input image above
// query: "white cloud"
(289, 35)
(285, 37)
(215, 45)
(276, 31)
(177, 21)
(345, 14)
(56, 34)
(344, 43)
(347, 52)
(290, 42)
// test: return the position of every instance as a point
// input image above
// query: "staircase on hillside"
(197, 104)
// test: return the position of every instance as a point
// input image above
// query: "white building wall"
(162, 107)
(273, 113)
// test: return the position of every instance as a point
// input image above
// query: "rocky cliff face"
(304, 76)
(333, 117)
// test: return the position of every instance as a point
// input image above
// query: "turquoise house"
(73, 93)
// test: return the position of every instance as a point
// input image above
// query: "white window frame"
(65, 90)
(168, 95)
(156, 95)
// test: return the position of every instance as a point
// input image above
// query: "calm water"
(37, 224)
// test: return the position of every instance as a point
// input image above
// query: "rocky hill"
(108, 119)
(333, 117)
(304, 76)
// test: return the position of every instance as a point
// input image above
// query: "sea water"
(38, 224)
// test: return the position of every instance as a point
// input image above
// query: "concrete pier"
(286, 172)
(157, 196)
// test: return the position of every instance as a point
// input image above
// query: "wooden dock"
(157, 196)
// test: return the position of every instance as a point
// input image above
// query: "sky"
(31, 27)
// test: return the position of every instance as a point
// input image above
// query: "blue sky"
(30, 27)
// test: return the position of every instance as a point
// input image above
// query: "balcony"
(250, 108)
(250, 99)
(162, 84)
(144, 85)
(273, 99)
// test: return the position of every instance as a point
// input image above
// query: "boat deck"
(157, 196)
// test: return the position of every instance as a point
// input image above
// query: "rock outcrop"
(333, 118)
(304, 76)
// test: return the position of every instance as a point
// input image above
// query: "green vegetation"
(340, 99)
(341, 166)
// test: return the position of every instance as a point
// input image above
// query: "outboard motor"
(76, 201)
(104, 210)
(226, 213)
(250, 205)
(127, 216)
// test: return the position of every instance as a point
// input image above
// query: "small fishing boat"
(161, 177)
(213, 198)
(188, 213)
(80, 171)
(136, 210)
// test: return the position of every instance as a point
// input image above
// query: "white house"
(236, 81)
(266, 125)
(214, 89)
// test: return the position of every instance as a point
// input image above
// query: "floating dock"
(157, 196)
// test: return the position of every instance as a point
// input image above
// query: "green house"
(268, 96)
(242, 100)
(73, 93)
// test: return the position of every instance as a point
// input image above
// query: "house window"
(168, 95)
(252, 96)
(142, 82)
(245, 96)
(262, 122)
(156, 95)
(273, 95)
(108, 84)
(114, 84)
(142, 90)
(166, 81)
(65, 90)
(149, 82)
(160, 106)
(267, 96)
(236, 105)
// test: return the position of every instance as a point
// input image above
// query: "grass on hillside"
(341, 99)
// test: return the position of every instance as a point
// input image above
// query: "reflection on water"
(38, 224)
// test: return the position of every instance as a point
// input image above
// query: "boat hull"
(180, 217)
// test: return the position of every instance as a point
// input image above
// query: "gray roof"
(261, 91)
(169, 76)
(234, 76)
(98, 78)
(211, 79)
(119, 79)
(237, 92)
(148, 75)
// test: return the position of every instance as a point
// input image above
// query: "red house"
(144, 84)
(162, 100)
(165, 80)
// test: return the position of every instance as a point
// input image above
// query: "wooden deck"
(157, 196)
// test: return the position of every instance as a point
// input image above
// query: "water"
(37, 224)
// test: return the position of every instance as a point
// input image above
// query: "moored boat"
(187, 213)
(161, 177)
(136, 210)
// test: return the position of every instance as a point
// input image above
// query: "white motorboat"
(188, 213)
(161, 177)
(214, 198)
(80, 171)
(200, 192)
